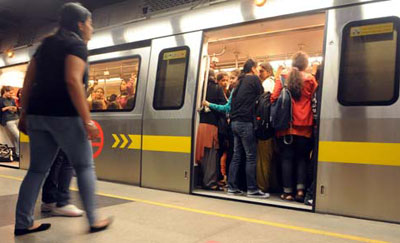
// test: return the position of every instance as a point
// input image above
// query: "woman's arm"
(74, 71)
(221, 108)
(26, 92)
(27, 86)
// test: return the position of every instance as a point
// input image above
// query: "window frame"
(396, 22)
(137, 80)
(178, 48)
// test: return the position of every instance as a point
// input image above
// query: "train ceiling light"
(260, 3)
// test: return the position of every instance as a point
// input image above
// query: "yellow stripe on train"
(167, 143)
(360, 153)
(23, 138)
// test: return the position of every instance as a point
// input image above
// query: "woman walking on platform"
(57, 116)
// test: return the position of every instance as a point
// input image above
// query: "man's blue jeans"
(56, 186)
(47, 135)
(244, 141)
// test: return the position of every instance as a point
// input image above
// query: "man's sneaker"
(236, 192)
(257, 194)
(47, 207)
(68, 211)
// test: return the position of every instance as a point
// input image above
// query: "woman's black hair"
(71, 15)
(247, 68)
(248, 65)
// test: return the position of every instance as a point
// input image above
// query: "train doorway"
(13, 78)
(273, 42)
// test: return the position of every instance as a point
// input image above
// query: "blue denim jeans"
(47, 135)
(244, 141)
(56, 185)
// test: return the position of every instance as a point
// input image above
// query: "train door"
(359, 158)
(168, 113)
(122, 78)
(272, 43)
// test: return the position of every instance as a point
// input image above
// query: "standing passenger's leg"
(234, 166)
(250, 147)
(43, 149)
(72, 138)
(287, 154)
(12, 126)
(49, 190)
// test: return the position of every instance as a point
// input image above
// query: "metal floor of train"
(145, 215)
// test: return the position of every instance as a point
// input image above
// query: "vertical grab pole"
(205, 82)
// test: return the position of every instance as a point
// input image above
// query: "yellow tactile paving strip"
(233, 217)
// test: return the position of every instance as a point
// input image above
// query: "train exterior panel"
(359, 146)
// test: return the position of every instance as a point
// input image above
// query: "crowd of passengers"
(124, 100)
(227, 150)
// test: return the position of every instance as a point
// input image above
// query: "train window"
(112, 85)
(172, 68)
(369, 68)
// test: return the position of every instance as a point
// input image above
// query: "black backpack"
(281, 110)
(263, 127)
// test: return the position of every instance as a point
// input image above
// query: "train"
(152, 143)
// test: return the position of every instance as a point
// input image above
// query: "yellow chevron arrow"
(125, 141)
(117, 140)
(136, 141)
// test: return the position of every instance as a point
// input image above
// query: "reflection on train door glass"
(369, 70)
(112, 85)
(169, 92)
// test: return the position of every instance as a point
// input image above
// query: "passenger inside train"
(112, 85)
(290, 147)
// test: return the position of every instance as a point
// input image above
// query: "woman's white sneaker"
(68, 211)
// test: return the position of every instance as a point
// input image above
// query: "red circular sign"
(98, 142)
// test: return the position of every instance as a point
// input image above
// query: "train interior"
(273, 41)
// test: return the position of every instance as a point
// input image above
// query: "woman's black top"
(244, 99)
(215, 94)
(49, 95)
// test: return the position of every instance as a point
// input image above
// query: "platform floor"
(146, 215)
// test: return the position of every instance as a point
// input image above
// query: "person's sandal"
(299, 196)
(287, 196)
(94, 229)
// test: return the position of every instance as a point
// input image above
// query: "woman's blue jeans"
(47, 135)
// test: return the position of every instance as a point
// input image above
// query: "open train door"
(169, 111)
(359, 152)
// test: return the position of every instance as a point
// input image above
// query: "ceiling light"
(10, 54)
(260, 3)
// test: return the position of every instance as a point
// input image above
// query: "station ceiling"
(17, 16)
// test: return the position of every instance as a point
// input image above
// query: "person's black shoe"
(94, 229)
(42, 227)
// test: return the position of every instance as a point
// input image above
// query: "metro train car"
(157, 68)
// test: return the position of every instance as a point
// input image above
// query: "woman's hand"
(92, 130)
(206, 103)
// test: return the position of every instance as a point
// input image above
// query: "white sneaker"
(258, 194)
(68, 210)
(47, 207)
